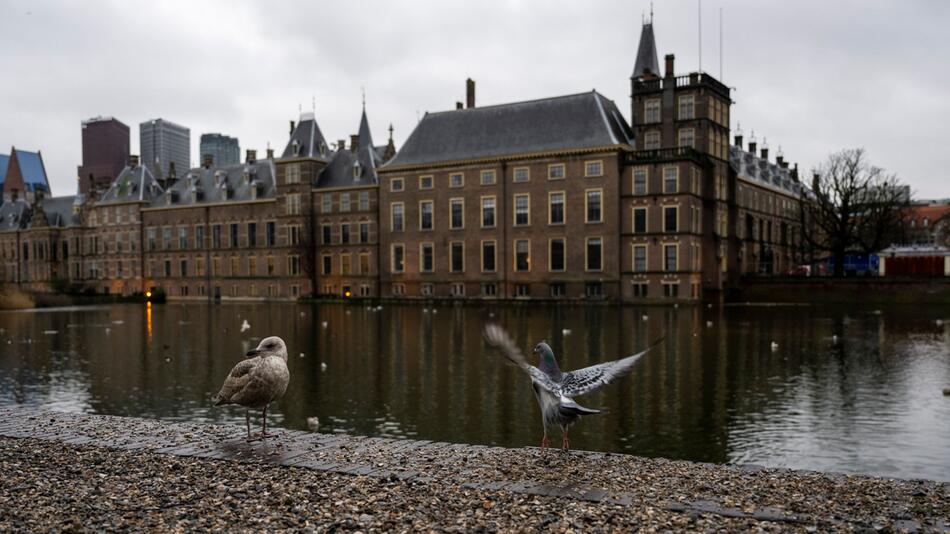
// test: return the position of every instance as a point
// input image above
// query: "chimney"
(795, 172)
(780, 160)
(738, 142)
(270, 153)
(752, 146)
(670, 58)
(354, 142)
(251, 156)
(341, 144)
(458, 105)
(134, 161)
(469, 93)
(207, 160)
(814, 182)
(765, 152)
(292, 127)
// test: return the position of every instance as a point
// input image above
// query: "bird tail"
(569, 407)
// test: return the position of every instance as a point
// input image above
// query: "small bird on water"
(257, 381)
(554, 389)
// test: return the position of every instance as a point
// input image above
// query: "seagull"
(257, 381)
(566, 331)
(245, 326)
(774, 346)
(554, 389)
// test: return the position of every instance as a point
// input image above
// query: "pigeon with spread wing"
(555, 389)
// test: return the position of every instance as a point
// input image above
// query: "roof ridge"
(533, 100)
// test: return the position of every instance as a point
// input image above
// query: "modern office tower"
(163, 144)
(224, 150)
(105, 152)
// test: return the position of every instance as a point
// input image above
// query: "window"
(294, 234)
(398, 258)
(327, 264)
(651, 140)
(669, 258)
(345, 233)
(457, 210)
(556, 207)
(345, 260)
(687, 137)
(425, 182)
(556, 171)
(271, 268)
(252, 234)
(398, 217)
(639, 181)
(522, 255)
(558, 289)
(425, 215)
(364, 232)
(640, 289)
(364, 263)
(639, 220)
(293, 204)
(687, 107)
(488, 212)
(344, 202)
(456, 179)
(671, 178)
(594, 289)
(150, 236)
(592, 208)
(426, 290)
(639, 258)
(399, 289)
(522, 209)
(489, 290)
(594, 168)
(216, 236)
(326, 203)
(595, 254)
(488, 256)
(364, 200)
(487, 177)
(234, 235)
(651, 111)
(292, 174)
(252, 266)
(670, 218)
(270, 231)
(556, 255)
(457, 257)
(522, 290)
(396, 185)
(521, 174)
(671, 289)
(168, 268)
(166, 239)
(426, 257)
(326, 234)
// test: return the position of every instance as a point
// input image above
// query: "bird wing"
(498, 338)
(237, 381)
(592, 378)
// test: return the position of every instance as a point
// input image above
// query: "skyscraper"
(105, 152)
(223, 149)
(162, 143)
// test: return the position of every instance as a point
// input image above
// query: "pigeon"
(257, 381)
(554, 389)
(245, 326)
(313, 423)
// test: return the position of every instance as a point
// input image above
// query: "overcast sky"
(810, 76)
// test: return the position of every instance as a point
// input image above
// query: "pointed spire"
(366, 138)
(647, 58)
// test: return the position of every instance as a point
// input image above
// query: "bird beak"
(254, 352)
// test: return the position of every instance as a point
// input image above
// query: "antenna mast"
(699, 11)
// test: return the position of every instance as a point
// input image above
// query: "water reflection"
(842, 390)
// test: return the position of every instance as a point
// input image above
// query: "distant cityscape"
(554, 198)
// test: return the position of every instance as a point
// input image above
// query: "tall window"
(234, 236)
(687, 107)
(639, 220)
(398, 258)
(522, 255)
(639, 258)
(182, 239)
(522, 209)
(556, 171)
(292, 174)
(669, 258)
(556, 255)
(671, 176)
(327, 264)
(326, 203)
(426, 257)
(521, 174)
(651, 140)
(294, 231)
(651, 111)
(150, 236)
(593, 168)
(344, 202)
(595, 254)
(457, 263)
(364, 263)
(327, 232)
(487, 177)
(639, 181)
(457, 210)
(425, 215)
(364, 232)
(670, 218)
(271, 234)
(166, 238)
(556, 207)
(687, 137)
(593, 206)
(345, 233)
(488, 256)
(216, 236)
(488, 212)
(293, 204)
(345, 263)
(252, 234)
(364, 200)
(398, 217)
(456, 179)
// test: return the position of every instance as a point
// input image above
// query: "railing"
(665, 154)
(687, 80)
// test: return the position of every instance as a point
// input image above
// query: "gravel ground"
(48, 486)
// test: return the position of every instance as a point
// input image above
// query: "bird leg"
(545, 442)
(247, 419)
(565, 442)
(264, 434)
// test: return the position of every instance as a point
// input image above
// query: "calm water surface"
(848, 389)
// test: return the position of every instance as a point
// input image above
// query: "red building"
(105, 152)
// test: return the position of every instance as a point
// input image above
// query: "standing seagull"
(257, 381)
(555, 389)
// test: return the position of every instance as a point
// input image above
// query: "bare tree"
(852, 206)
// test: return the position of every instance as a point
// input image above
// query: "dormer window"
(295, 146)
(323, 148)
(357, 171)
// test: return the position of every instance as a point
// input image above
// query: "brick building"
(105, 152)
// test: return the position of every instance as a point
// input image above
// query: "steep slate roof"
(14, 215)
(60, 211)
(31, 167)
(133, 184)
(308, 138)
(213, 185)
(646, 53)
(340, 171)
(584, 120)
(758, 171)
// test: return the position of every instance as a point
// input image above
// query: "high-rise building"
(105, 152)
(164, 143)
(224, 150)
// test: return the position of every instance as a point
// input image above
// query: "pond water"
(846, 389)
